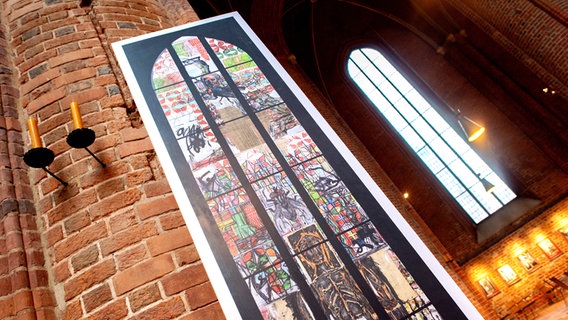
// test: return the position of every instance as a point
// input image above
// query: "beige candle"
(34, 132)
(76, 115)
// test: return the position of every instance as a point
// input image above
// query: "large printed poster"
(287, 223)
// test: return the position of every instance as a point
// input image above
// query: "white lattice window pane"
(442, 150)
(416, 99)
(379, 100)
(487, 200)
(455, 141)
(395, 119)
(390, 92)
(383, 64)
(406, 110)
(400, 83)
(475, 162)
(424, 130)
(413, 139)
(439, 124)
(463, 173)
(471, 206)
(371, 54)
(354, 71)
(450, 182)
(360, 59)
(430, 159)
(364, 83)
(502, 191)
(376, 77)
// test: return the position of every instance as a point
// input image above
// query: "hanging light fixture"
(470, 128)
(489, 187)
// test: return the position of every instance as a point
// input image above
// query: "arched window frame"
(505, 196)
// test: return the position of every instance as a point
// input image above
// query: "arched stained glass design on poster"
(300, 240)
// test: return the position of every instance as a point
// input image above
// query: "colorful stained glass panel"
(165, 71)
(193, 56)
(284, 206)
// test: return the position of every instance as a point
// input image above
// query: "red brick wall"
(24, 285)
(115, 241)
(531, 284)
(533, 31)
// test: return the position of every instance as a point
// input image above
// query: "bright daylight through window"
(458, 168)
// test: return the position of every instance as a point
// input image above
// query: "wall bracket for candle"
(41, 157)
(82, 138)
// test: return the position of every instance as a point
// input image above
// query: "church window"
(454, 163)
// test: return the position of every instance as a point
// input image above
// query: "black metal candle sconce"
(82, 138)
(41, 157)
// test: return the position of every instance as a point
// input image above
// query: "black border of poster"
(141, 56)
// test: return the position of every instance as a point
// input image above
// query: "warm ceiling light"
(405, 195)
(471, 129)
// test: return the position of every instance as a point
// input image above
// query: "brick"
(131, 256)
(142, 273)
(35, 258)
(97, 297)
(80, 240)
(38, 278)
(43, 298)
(168, 241)
(16, 259)
(200, 295)
(133, 134)
(45, 100)
(37, 70)
(112, 170)
(210, 312)
(72, 77)
(168, 309)
(128, 237)
(73, 310)
(89, 277)
(134, 147)
(40, 80)
(22, 300)
(6, 307)
(61, 271)
(76, 222)
(121, 221)
(110, 187)
(172, 220)
(156, 207)
(19, 280)
(138, 177)
(188, 277)
(114, 203)
(144, 296)
(85, 258)
(71, 206)
(115, 310)
(157, 188)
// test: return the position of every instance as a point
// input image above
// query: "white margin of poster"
(205, 252)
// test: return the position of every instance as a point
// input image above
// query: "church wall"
(523, 143)
(112, 244)
(529, 284)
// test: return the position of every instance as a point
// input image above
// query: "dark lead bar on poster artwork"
(82, 138)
